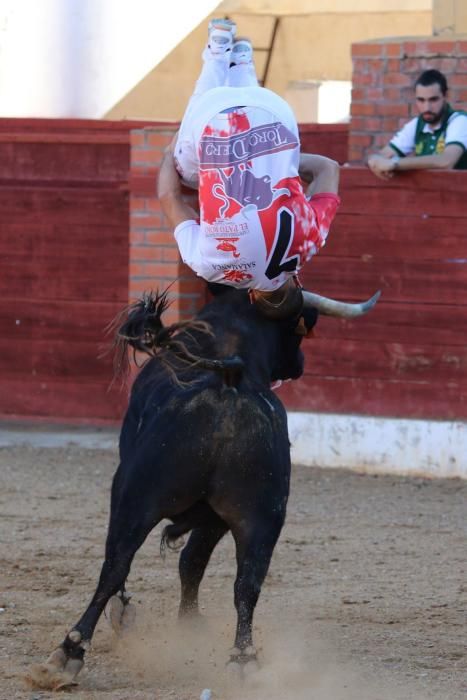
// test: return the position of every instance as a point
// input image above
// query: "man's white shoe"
(242, 53)
(221, 34)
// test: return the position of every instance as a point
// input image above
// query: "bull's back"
(194, 439)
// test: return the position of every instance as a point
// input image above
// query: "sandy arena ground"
(365, 599)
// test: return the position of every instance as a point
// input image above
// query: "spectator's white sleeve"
(457, 130)
(404, 140)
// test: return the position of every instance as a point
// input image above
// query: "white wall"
(77, 58)
(380, 445)
(334, 101)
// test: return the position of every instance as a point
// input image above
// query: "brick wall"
(154, 258)
(384, 73)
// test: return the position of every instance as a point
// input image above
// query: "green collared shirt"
(418, 138)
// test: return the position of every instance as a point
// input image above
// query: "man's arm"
(322, 174)
(401, 144)
(169, 192)
(377, 162)
(385, 167)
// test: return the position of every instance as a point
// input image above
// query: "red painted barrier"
(408, 357)
(68, 265)
(63, 264)
(331, 140)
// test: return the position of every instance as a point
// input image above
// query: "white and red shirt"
(256, 227)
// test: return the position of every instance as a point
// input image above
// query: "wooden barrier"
(329, 140)
(63, 264)
(408, 357)
(65, 272)
(406, 237)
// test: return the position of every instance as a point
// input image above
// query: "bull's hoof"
(58, 672)
(242, 662)
(251, 667)
(121, 614)
(45, 677)
(191, 618)
(234, 671)
(243, 656)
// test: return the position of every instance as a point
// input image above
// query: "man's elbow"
(332, 171)
(443, 164)
(449, 159)
(333, 165)
(169, 204)
(166, 198)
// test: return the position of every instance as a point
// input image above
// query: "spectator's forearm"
(431, 162)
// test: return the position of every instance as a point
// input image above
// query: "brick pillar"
(384, 73)
(154, 258)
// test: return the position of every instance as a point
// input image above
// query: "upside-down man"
(238, 144)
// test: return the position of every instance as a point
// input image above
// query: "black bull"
(205, 444)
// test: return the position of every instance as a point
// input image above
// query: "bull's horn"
(330, 307)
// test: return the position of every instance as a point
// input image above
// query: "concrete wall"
(379, 445)
(79, 58)
(449, 17)
(312, 45)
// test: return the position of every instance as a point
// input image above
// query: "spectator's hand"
(381, 167)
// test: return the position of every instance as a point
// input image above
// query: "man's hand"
(381, 166)
(169, 191)
(322, 173)
(168, 182)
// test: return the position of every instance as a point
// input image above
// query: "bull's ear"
(310, 317)
(304, 329)
(300, 328)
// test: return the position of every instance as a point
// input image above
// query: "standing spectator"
(436, 139)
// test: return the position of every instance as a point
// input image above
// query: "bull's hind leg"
(127, 532)
(121, 548)
(193, 561)
(255, 542)
(120, 611)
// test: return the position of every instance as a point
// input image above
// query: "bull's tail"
(198, 515)
(139, 326)
(230, 368)
(171, 537)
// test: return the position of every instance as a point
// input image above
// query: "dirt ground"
(365, 598)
